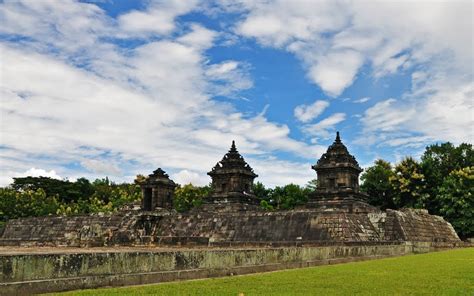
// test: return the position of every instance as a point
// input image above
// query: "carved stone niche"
(157, 191)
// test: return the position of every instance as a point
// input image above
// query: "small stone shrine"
(338, 181)
(232, 180)
(157, 191)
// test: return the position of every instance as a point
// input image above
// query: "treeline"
(42, 196)
(442, 182)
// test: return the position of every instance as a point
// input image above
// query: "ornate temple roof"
(159, 176)
(232, 162)
(337, 155)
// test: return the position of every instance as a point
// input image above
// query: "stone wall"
(27, 273)
(282, 226)
(83, 230)
(232, 227)
(308, 226)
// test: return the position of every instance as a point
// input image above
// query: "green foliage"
(312, 185)
(438, 273)
(25, 198)
(26, 203)
(376, 183)
(439, 183)
(456, 198)
(264, 195)
(288, 196)
(65, 190)
(408, 182)
(437, 162)
(189, 196)
(261, 191)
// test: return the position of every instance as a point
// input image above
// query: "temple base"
(232, 201)
(348, 202)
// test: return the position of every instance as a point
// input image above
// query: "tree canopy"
(440, 182)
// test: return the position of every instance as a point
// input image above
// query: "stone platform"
(25, 271)
(244, 227)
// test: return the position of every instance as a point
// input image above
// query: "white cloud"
(436, 112)
(336, 70)
(100, 167)
(184, 177)
(34, 172)
(306, 113)
(199, 37)
(6, 178)
(362, 100)
(325, 127)
(273, 172)
(148, 106)
(230, 77)
(336, 39)
(158, 18)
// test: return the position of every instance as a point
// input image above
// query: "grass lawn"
(442, 273)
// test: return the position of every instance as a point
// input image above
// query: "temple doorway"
(147, 198)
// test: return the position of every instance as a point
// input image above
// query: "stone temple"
(335, 213)
(228, 234)
(338, 181)
(232, 180)
(157, 191)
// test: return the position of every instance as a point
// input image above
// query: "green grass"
(442, 273)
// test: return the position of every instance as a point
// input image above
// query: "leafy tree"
(26, 203)
(288, 196)
(312, 185)
(65, 190)
(261, 191)
(456, 197)
(189, 196)
(437, 162)
(376, 183)
(408, 184)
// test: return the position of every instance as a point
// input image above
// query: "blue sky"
(119, 88)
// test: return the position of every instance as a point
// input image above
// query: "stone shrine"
(157, 191)
(232, 180)
(338, 181)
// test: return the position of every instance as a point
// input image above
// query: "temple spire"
(338, 139)
(233, 148)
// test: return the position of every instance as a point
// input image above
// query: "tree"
(65, 190)
(312, 185)
(260, 191)
(376, 183)
(437, 162)
(408, 184)
(456, 198)
(26, 203)
(288, 196)
(189, 196)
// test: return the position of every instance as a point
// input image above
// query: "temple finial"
(232, 148)
(338, 139)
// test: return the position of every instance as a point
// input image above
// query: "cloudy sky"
(117, 88)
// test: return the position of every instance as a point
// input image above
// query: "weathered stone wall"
(308, 226)
(240, 226)
(270, 226)
(83, 230)
(33, 273)
(412, 225)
